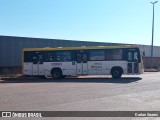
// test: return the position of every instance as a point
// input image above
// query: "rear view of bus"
(76, 61)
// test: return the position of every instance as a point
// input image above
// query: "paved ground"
(92, 93)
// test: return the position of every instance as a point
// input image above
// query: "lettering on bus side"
(97, 66)
(56, 64)
(98, 63)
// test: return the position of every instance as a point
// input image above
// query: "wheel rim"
(56, 74)
(116, 73)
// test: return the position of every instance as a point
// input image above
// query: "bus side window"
(66, 56)
(109, 55)
(40, 60)
(38, 57)
(84, 58)
(117, 54)
(50, 57)
(135, 57)
(129, 56)
(63, 56)
(73, 56)
(79, 58)
(34, 59)
(96, 55)
(27, 56)
(114, 54)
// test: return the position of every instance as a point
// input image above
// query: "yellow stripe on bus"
(77, 48)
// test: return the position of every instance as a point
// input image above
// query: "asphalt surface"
(90, 93)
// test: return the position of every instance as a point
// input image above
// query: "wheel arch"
(56, 68)
(116, 68)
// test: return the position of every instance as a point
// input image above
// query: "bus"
(74, 61)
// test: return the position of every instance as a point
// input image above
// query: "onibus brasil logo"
(21, 114)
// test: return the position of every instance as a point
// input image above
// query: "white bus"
(74, 61)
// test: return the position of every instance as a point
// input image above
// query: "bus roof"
(79, 48)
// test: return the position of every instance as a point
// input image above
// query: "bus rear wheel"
(116, 73)
(56, 74)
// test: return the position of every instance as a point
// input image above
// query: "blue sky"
(117, 21)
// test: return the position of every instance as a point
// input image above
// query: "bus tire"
(116, 72)
(56, 73)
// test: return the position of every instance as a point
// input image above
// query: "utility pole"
(153, 3)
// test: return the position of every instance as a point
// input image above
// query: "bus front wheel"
(56, 74)
(116, 73)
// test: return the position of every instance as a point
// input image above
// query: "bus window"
(109, 55)
(79, 58)
(117, 54)
(27, 56)
(129, 56)
(63, 56)
(114, 54)
(40, 60)
(97, 55)
(84, 58)
(35, 60)
(50, 57)
(135, 57)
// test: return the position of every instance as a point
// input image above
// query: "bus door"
(132, 56)
(82, 66)
(38, 64)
